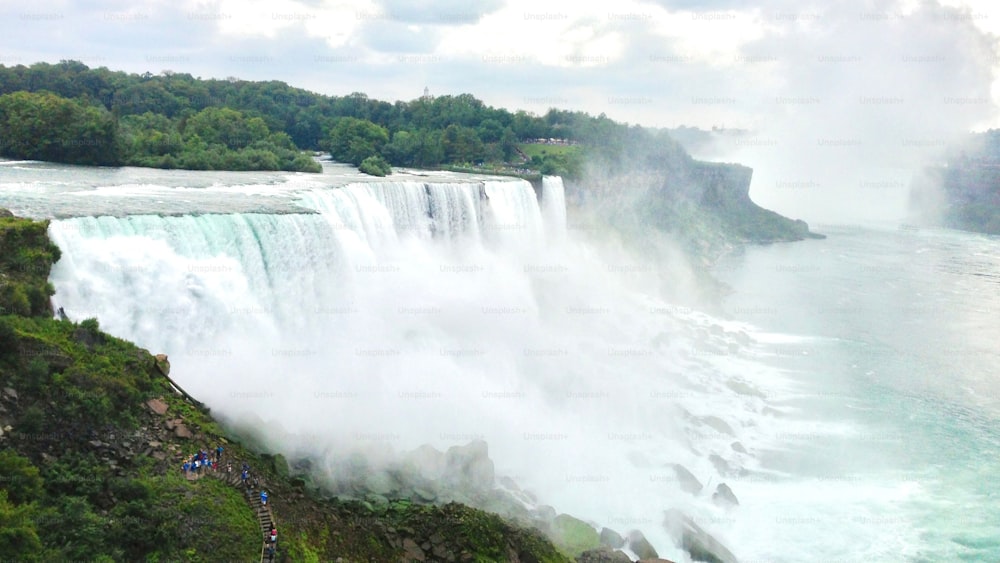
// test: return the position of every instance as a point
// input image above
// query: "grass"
(541, 150)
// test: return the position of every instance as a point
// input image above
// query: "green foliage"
(44, 126)
(26, 255)
(19, 478)
(90, 325)
(18, 532)
(353, 140)
(375, 166)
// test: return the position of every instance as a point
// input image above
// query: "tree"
(353, 140)
(44, 126)
(19, 478)
(18, 533)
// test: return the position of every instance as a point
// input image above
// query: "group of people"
(201, 460)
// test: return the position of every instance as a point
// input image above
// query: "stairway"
(265, 518)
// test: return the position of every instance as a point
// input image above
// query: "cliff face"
(964, 195)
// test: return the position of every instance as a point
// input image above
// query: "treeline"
(153, 112)
(45, 126)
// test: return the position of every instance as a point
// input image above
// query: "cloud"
(442, 12)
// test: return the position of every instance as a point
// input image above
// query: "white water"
(404, 313)
(409, 313)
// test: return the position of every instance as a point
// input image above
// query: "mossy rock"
(573, 536)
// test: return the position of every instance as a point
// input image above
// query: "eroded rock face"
(695, 540)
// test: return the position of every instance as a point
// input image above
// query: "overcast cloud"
(871, 87)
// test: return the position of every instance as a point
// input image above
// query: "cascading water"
(399, 314)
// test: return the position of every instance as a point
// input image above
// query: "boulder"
(688, 482)
(603, 554)
(163, 364)
(640, 546)
(721, 465)
(157, 406)
(717, 424)
(5, 212)
(182, 431)
(695, 540)
(572, 535)
(427, 460)
(723, 496)
(10, 393)
(470, 465)
(611, 538)
(413, 551)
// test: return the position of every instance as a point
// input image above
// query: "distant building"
(427, 94)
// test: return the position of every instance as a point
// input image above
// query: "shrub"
(375, 166)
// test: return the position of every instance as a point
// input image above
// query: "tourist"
(263, 498)
(218, 453)
(274, 535)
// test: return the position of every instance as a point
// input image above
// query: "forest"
(68, 112)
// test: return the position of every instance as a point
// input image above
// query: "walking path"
(264, 514)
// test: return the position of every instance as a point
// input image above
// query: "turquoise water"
(896, 332)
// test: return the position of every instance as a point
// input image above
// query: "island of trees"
(68, 112)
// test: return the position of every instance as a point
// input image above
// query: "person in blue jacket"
(263, 498)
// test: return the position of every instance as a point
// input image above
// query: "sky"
(880, 84)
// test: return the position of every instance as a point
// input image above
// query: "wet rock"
(721, 465)
(742, 388)
(717, 424)
(611, 538)
(640, 546)
(724, 496)
(687, 480)
(695, 540)
(470, 465)
(424, 494)
(603, 554)
(428, 461)
(157, 406)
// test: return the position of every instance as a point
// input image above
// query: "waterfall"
(391, 314)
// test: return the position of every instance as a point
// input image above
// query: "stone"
(717, 424)
(10, 393)
(640, 546)
(687, 480)
(5, 212)
(424, 494)
(96, 444)
(155, 443)
(603, 554)
(413, 551)
(163, 364)
(695, 540)
(428, 461)
(160, 455)
(611, 538)
(470, 465)
(721, 465)
(182, 431)
(724, 496)
(738, 447)
(157, 406)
